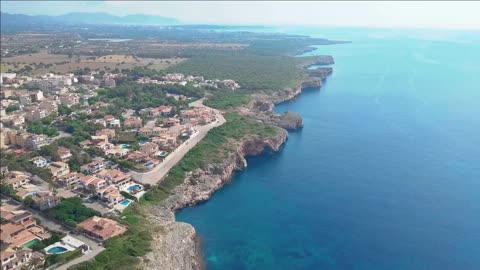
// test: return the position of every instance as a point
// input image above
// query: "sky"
(405, 14)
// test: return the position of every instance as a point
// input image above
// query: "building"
(59, 169)
(149, 148)
(93, 167)
(44, 200)
(64, 153)
(91, 180)
(110, 196)
(40, 162)
(69, 99)
(132, 122)
(101, 228)
(17, 179)
(109, 132)
(116, 177)
(71, 180)
(13, 259)
(36, 141)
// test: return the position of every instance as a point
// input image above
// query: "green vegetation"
(140, 96)
(122, 251)
(12, 108)
(52, 259)
(71, 211)
(252, 72)
(212, 149)
(227, 100)
(39, 128)
(47, 242)
(22, 162)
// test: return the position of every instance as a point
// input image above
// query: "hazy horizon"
(437, 15)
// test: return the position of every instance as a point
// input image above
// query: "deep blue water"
(384, 175)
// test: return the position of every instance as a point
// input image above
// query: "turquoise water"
(125, 202)
(57, 250)
(384, 175)
(134, 187)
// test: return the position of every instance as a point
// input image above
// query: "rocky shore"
(175, 244)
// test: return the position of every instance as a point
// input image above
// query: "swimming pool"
(148, 164)
(134, 187)
(125, 202)
(57, 250)
(123, 146)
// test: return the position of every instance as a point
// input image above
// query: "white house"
(40, 162)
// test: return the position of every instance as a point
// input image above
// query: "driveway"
(156, 174)
(52, 225)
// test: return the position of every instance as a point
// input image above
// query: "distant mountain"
(21, 21)
(105, 18)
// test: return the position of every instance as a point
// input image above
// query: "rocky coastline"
(175, 245)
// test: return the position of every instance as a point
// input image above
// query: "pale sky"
(408, 14)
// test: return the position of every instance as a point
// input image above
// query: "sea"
(385, 174)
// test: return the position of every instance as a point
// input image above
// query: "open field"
(63, 63)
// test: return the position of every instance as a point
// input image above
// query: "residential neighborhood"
(66, 148)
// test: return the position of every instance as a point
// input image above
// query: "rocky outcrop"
(261, 106)
(174, 243)
(175, 247)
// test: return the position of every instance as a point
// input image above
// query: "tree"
(92, 189)
(12, 108)
(28, 201)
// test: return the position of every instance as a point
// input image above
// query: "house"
(64, 153)
(35, 142)
(94, 167)
(111, 121)
(14, 259)
(109, 132)
(132, 122)
(116, 177)
(110, 196)
(102, 228)
(44, 200)
(28, 190)
(170, 122)
(88, 180)
(17, 179)
(99, 138)
(40, 162)
(117, 151)
(69, 99)
(59, 169)
(149, 148)
(71, 180)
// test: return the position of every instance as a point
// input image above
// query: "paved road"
(55, 226)
(154, 176)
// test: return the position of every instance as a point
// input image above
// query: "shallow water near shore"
(384, 175)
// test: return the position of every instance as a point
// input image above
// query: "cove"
(384, 175)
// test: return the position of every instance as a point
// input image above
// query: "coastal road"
(156, 174)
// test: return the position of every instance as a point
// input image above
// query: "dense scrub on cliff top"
(122, 252)
(252, 72)
(227, 100)
(218, 143)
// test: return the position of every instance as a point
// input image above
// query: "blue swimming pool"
(134, 187)
(148, 164)
(57, 250)
(124, 146)
(125, 202)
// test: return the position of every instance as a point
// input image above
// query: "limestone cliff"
(174, 243)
